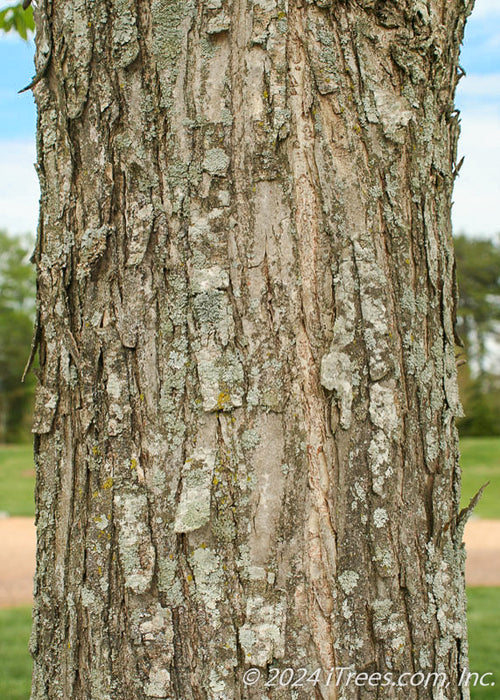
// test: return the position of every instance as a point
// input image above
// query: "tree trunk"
(244, 433)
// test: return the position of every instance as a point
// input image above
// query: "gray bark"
(244, 435)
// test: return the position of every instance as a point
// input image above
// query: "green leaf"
(14, 18)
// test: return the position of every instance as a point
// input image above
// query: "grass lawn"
(480, 460)
(15, 661)
(484, 643)
(484, 640)
(17, 480)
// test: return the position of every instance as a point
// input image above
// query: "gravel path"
(18, 546)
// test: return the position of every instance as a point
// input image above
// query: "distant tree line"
(478, 327)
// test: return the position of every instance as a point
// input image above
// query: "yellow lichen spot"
(223, 400)
(203, 545)
(407, 261)
(133, 463)
(108, 483)
(215, 481)
(249, 478)
(141, 397)
(266, 94)
(87, 324)
(357, 128)
(95, 494)
(95, 450)
(69, 645)
(99, 570)
(189, 577)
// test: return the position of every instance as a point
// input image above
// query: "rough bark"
(244, 435)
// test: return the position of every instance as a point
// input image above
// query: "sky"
(477, 189)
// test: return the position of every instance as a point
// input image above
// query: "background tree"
(17, 312)
(478, 324)
(478, 276)
(245, 440)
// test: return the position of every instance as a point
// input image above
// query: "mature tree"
(17, 301)
(478, 275)
(244, 435)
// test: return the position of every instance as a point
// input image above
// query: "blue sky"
(477, 190)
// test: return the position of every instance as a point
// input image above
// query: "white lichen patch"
(380, 517)
(168, 582)
(157, 627)
(389, 627)
(250, 439)
(383, 411)
(193, 510)
(346, 610)
(158, 684)
(216, 162)
(392, 112)
(220, 23)
(384, 558)
(262, 637)
(135, 549)
(208, 577)
(208, 278)
(336, 376)
(114, 386)
(221, 378)
(348, 581)
(379, 453)
(87, 597)
(102, 522)
(256, 573)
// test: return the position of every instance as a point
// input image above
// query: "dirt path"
(17, 561)
(18, 543)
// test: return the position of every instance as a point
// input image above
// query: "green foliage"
(480, 462)
(481, 401)
(484, 640)
(16, 19)
(17, 308)
(478, 277)
(478, 320)
(15, 667)
(17, 481)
